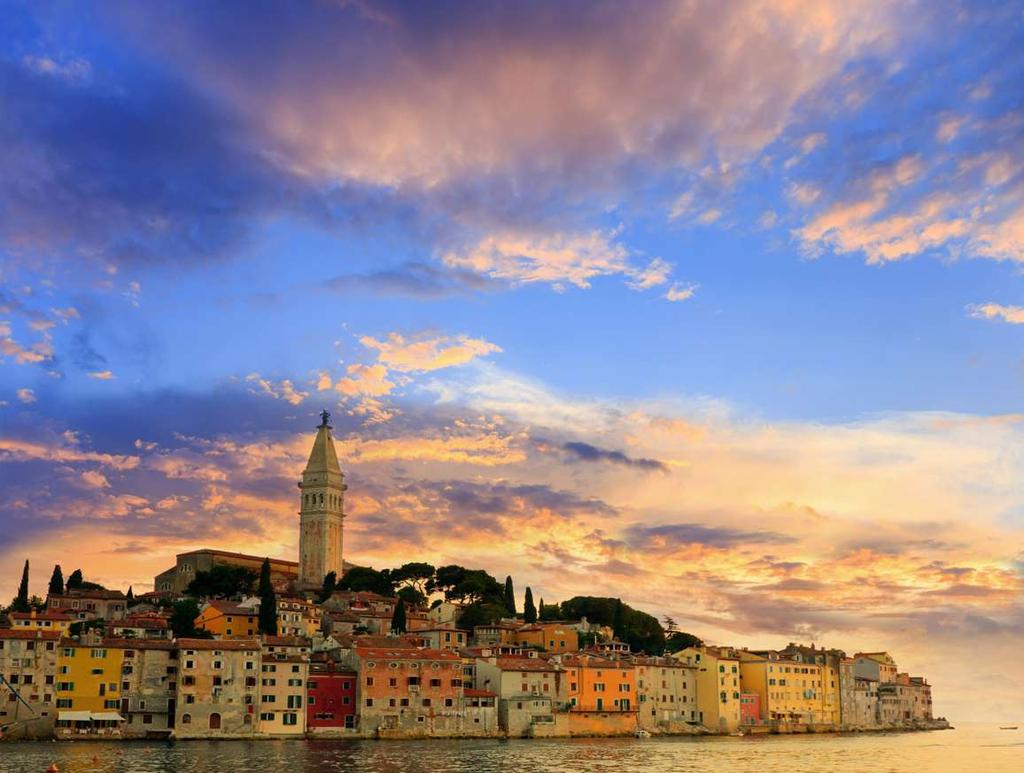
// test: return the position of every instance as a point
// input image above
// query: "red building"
(750, 708)
(331, 697)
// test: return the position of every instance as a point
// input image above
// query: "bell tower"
(322, 510)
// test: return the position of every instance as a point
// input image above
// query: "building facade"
(218, 688)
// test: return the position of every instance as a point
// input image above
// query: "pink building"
(750, 708)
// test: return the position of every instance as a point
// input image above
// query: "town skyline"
(716, 308)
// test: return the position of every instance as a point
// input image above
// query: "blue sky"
(773, 247)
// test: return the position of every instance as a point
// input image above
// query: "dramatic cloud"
(588, 453)
(427, 353)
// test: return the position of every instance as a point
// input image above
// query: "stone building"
(28, 664)
(666, 693)
(149, 686)
(283, 694)
(408, 691)
(322, 511)
(91, 604)
(218, 688)
(531, 693)
(177, 578)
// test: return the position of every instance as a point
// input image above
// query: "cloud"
(364, 380)
(557, 259)
(94, 479)
(587, 453)
(101, 375)
(427, 353)
(681, 292)
(1013, 315)
(40, 352)
(413, 279)
(669, 537)
(283, 390)
(26, 395)
(12, 449)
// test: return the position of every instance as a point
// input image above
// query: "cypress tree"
(529, 610)
(130, 597)
(398, 618)
(330, 583)
(21, 600)
(75, 580)
(56, 582)
(268, 602)
(510, 597)
(619, 621)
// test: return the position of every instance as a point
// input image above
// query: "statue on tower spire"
(325, 418)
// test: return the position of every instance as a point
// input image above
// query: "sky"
(716, 307)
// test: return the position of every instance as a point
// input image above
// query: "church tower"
(322, 510)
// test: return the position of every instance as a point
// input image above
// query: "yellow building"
(88, 677)
(283, 695)
(790, 691)
(829, 660)
(718, 685)
(42, 621)
(227, 620)
(550, 637)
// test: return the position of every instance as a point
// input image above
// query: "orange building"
(227, 620)
(407, 689)
(550, 637)
(600, 684)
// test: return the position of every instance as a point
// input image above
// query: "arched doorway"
(215, 721)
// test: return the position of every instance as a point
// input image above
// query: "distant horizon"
(714, 307)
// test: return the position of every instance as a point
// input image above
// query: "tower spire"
(322, 510)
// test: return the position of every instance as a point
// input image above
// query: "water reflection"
(967, 748)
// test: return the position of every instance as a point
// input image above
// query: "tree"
(365, 578)
(549, 612)
(75, 580)
(183, 618)
(669, 623)
(56, 582)
(268, 602)
(529, 610)
(467, 586)
(398, 618)
(221, 581)
(641, 631)
(412, 596)
(619, 620)
(680, 640)
(130, 597)
(330, 582)
(510, 597)
(416, 575)
(480, 614)
(21, 600)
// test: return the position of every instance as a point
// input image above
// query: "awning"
(74, 716)
(107, 716)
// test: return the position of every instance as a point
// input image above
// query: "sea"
(969, 747)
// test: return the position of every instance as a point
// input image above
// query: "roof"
(218, 644)
(404, 653)
(141, 644)
(229, 554)
(469, 692)
(323, 457)
(47, 615)
(90, 593)
(153, 623)
(286, 641)
(232, 608)
(26, 633)
(525, 664)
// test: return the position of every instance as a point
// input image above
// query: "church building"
(321, 516)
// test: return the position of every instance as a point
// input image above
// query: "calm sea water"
(968, 748)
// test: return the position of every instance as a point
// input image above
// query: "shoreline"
(697, 734)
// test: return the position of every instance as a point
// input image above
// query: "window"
(291, 719)
(186, 719)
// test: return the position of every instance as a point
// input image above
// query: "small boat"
(641, 733)
(1009, 727)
